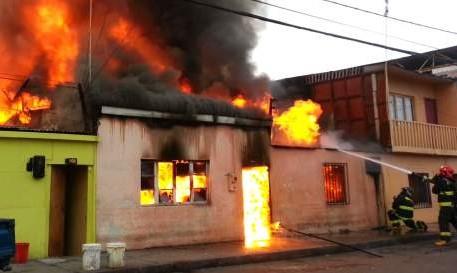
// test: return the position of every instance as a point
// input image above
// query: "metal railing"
(419, 137)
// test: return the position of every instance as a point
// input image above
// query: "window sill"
(176, 205)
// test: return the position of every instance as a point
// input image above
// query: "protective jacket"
(403, 206)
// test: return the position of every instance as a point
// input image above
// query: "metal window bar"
(335, 183)
(422, 196)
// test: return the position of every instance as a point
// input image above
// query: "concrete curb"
(181, 266)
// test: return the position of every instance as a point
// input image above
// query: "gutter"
(201, 118)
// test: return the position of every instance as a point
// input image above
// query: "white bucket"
(116, 253)
(91, 256)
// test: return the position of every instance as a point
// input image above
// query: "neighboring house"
(47, 177)
(406, 117)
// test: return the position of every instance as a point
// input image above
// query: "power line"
(262, 18)
(342, 23)
(390, 17)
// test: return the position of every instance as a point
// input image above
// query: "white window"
(401, 107)
(173, 182)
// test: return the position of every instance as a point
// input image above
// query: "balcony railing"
(425, 138)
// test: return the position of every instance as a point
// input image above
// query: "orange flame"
(185, 86)
(239, 101)
(58, 41)
(256, 197)
(129, 36)
(299, 122)
(262, 103)
(20, 106)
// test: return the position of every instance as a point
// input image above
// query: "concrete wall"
(394, 180)
(413, 87)
(446, 97)
(120, 217)
(298, 195)
(27, 200)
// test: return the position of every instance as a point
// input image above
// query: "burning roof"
(158, 55)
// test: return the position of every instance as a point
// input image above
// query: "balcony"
(423, 138)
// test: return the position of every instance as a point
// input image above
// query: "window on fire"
(173, 182)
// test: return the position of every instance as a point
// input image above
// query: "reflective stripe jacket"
(403, 206)
(445, 188)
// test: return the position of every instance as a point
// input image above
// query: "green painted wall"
(27, 199)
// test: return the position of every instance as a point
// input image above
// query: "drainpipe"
(374, 89)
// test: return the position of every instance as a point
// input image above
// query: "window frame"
(392, 106)
(191, 174)
(428, 202)
(345, 184)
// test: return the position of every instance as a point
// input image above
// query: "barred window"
(335, 183)
(421, 191)
(176, 181)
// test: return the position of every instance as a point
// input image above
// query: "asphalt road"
(422, 257)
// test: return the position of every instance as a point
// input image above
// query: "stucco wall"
(298, 195)
(395, 180)
(120, 217)
(416, 88)
(446, 104)
(27, 200)
(420, 89)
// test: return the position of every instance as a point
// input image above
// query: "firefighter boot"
(421, 226)
(396, 230)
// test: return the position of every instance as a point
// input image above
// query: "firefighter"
(444, 186)
(403, 211)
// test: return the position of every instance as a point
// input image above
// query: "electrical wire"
(342, 23)
(278, 22)
(390, 17)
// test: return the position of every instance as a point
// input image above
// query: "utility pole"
(90, 44)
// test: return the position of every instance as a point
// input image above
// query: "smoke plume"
(145, 49)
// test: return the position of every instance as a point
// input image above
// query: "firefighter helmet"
(446, 171)
(407, 190)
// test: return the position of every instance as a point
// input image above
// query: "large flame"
(51, 41)
(299, 123)
(256, 198)
(20, 106)
(49, 25)
(129, 36)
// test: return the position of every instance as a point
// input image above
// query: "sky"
(284, 52)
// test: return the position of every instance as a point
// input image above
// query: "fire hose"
(332, 241)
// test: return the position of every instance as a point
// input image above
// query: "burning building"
(165, 94)
(176, 179)
(165, 137)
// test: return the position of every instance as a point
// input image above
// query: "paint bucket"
(91, 256)
(22, 253)
(116, 253)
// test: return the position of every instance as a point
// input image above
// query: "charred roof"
(172, 102)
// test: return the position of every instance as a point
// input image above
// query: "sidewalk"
(185, 258)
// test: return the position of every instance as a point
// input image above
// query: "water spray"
(400, 169)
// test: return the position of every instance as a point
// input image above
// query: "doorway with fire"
(256, 206)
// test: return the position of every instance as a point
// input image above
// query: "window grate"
(422, 196)
(335, 183)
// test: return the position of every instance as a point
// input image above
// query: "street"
(422, 257)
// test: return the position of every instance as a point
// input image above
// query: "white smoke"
(334, 140)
